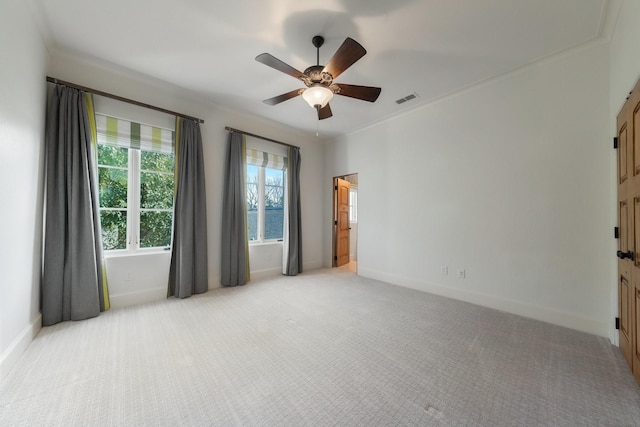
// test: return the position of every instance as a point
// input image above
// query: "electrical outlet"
(461, 273)
(444, 270)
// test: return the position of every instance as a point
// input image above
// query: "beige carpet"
(324, 348)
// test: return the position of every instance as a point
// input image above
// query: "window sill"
(126, 254)
(267, 243)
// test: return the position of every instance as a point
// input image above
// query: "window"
(353, 204)
(136, 185)
(265, 196)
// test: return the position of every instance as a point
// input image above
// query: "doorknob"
(625, 255)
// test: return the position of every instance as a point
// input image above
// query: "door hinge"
(335, 188)
(616, 232)
(335, 258)
(335, 222)
(615, 142)
(617, 323)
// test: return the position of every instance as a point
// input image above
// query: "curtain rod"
(261, 137)
(119, 98)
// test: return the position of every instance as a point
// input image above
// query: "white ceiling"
(430, 47)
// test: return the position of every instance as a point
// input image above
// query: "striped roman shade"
(123, 133)
(267, 160)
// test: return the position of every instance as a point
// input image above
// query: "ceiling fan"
(320, 79)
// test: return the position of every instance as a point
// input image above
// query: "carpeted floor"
(324, 348)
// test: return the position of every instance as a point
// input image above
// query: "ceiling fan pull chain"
(318, 121)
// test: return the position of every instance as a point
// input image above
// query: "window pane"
(114, 229)
(252, 187)
(152, 161)
(274, 203)
(273, 196)
(274, 188)
(273, 223)
(113, 187)
(252, 202)
(353, 205)
(113, 156)
(156, 190)
(252, 221)
(155, 229)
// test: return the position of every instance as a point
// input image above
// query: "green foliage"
(112, 187)
(155, 229)
(113, 156)
(159, 162)
(114, 229)
(156, 190)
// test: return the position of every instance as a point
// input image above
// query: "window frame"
(134, 210)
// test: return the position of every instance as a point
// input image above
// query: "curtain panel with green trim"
(123, 133)
(72, 267)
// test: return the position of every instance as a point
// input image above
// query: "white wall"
(130, 279)
(509, 180)
(22, 107)
(625, 55)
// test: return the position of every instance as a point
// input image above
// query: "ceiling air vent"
(407, 98)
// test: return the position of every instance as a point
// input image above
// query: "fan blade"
(365, 93)
(281, 98)
(274, 62)
(324, 112)
(345, 57)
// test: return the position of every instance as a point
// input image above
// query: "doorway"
(345, 222)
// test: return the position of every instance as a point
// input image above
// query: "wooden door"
(628, 177)
(624, 239)
(342, 232)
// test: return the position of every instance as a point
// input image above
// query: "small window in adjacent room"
(353, 204)
(136, 185)
(266, 174)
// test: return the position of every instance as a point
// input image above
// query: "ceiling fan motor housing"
(316, 75)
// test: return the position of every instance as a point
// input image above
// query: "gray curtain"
(235, 246)
(72, 278)
(188, 273)
(292, 254)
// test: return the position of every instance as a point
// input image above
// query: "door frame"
(334, 218)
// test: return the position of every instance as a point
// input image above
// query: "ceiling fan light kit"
(320, 79)
(317, 96)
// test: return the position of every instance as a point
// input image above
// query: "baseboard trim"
(12, 354)
(312, 265)
(544, 314)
